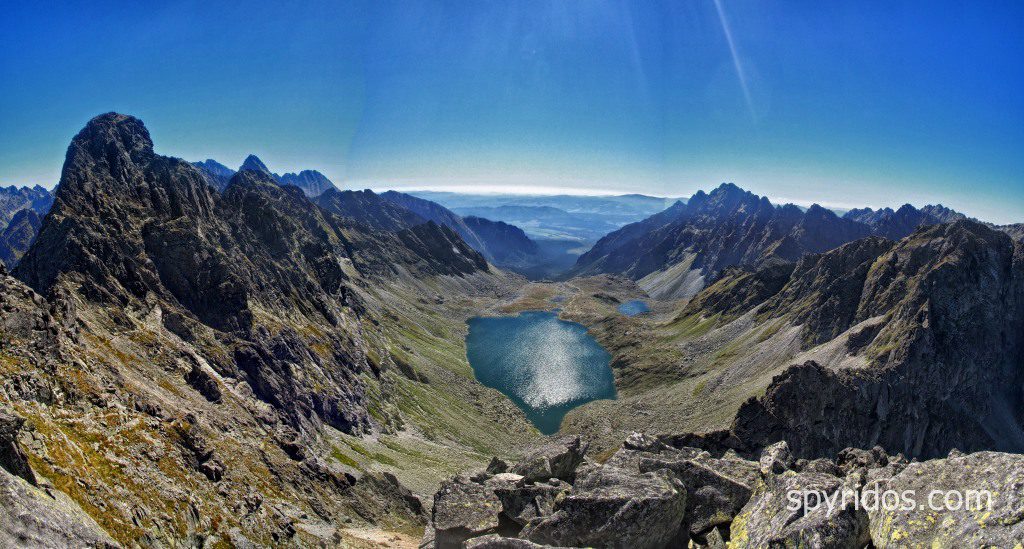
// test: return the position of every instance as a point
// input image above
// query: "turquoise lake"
(633, 308)
(547, 366)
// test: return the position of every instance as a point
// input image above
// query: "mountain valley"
(194, 355)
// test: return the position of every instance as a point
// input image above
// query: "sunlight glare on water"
(545, 365)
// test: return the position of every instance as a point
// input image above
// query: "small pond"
(634, 307)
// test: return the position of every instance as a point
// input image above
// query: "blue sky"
(845, 104)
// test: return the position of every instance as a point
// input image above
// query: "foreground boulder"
(33, 517)
(770, 519)
(988, 486)
(717, 488)
(556, 459)
(612, 507)
(464, 509)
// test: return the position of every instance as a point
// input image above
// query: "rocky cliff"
(941, 312)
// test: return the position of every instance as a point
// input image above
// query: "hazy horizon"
(844, 106)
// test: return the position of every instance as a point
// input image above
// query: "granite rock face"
(989, 486)
(558, 459)
(612, 506)
(34, 517)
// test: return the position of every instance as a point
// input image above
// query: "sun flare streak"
(735, 58)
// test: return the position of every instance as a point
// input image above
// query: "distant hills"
(582, 219)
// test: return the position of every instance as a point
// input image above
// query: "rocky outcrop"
(35, 517)
(12, 457)
(987, 486)
(653, 493)
(936, 321)
(613, 506)
(555, 459)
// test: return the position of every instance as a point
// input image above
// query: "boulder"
(974, 480)
(523, 502)
(613, 507)
(465, 509)
(773, 518)
(716, 488)
(776, 459)
(494, 541)
(558, 458)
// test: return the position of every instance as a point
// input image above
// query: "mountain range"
(201, 356)
(676, 253)
(312, 182)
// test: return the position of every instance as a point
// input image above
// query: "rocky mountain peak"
(252, 162)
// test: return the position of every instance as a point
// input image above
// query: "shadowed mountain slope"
(369, 209)
(217, 175)
(19, 235)
(502, 244)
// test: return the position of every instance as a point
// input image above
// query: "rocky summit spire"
(252, 162)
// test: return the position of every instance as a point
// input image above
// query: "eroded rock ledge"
(653, 493)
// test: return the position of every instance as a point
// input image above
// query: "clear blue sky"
(843, 103)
